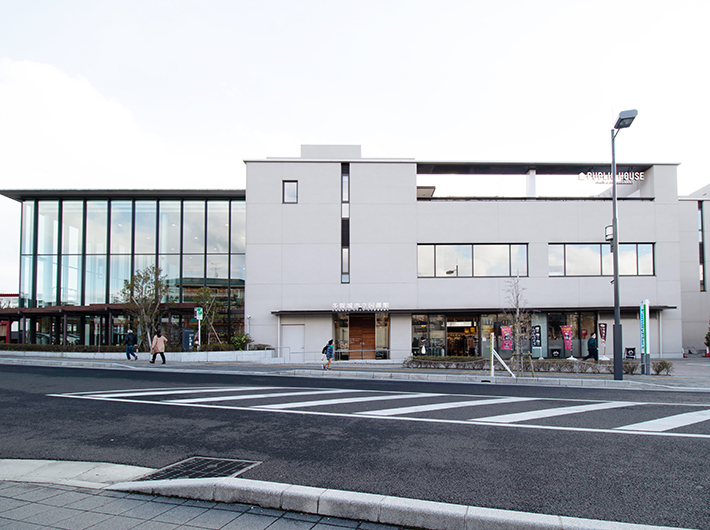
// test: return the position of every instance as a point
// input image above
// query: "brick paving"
(29, 506)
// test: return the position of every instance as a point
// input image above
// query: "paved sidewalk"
(29, 506)
(691, 373)
(37, 494)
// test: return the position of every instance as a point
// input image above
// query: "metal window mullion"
(180, 261)
(133, 238)
(33, 283)
(204, 247)
(109, 207)
(82, 259)
(60, 215)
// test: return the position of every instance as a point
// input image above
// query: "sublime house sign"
(628, 177)
(350, 307)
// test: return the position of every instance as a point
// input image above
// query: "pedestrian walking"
(158, 346)
(592, 350)
(328, 352)
(131, 342)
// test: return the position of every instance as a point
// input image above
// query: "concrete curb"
(382, 509)
(350, 374)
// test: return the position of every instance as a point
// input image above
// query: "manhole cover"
(202, 467)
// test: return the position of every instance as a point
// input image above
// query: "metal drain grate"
(202, 467)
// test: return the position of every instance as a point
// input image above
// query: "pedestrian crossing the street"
(614, 417)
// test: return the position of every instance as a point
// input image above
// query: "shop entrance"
(362, 336)
(462, 336)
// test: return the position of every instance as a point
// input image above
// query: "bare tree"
(142, 296)
(211, 306)
(519, 314)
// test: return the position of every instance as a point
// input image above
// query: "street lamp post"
(625, 119)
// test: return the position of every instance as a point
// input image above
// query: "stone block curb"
(379, 509)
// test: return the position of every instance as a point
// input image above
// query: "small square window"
(290, 191)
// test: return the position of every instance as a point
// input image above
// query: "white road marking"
(139, 393)
(551, 413)
(628, 430)
(669, 422)
(342, 401)
(259, 396)
(443, 406)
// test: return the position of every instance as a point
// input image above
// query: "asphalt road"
(577, 462)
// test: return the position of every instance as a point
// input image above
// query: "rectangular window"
(466, 261)
(28, 223)
(583, 260)
(556, 260)
(47, 227)
(701, 248)
(645, 259)
(96, 227)
(72, 227)
(170, 266)
(193, 235)
(425, 261)
(95, 292)
(454, 260)
(145, 232)
(169, 227)
(345, 266)
(121, 227)
(238, 227)
(218, 227)
(290, 191)
(71, 280)
(594, 259)
(491, 260)
(518, 260)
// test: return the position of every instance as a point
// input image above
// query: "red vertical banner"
(567, 336)
(602, 334)
(507, 332)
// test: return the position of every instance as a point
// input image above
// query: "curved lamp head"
(625, 119)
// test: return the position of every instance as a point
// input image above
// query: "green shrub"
(241, 341)
(662, 366)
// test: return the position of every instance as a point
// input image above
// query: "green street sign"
(198, 313)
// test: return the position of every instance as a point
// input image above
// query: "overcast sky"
(176, 94)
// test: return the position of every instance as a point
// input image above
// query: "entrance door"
(362, 336)
(294, 341)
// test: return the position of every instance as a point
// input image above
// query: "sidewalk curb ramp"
(381, 509)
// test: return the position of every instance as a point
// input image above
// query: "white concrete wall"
(696, 304)
(293, 250)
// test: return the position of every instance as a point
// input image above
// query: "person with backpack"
(328, 352)
(131, 342)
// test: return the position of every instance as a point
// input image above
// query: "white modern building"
(345, 247)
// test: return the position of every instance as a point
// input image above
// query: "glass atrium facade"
(77, 252)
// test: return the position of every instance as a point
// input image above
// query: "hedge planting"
(540, 365)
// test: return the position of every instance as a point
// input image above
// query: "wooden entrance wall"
(362, 336)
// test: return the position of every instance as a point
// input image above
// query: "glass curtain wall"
(145, 235)
(26, 254)
(96, 240)
(80, 252)
(217, 274)
(237, 265)
(72, 250)
(193, 245)
(169, 237)
(121, 238)
(47, 252)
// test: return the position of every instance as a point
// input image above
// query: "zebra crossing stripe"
(669, 422)
(443, 406)
(344, 401)
(142, 393)
(258, 396)
(553, 412)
